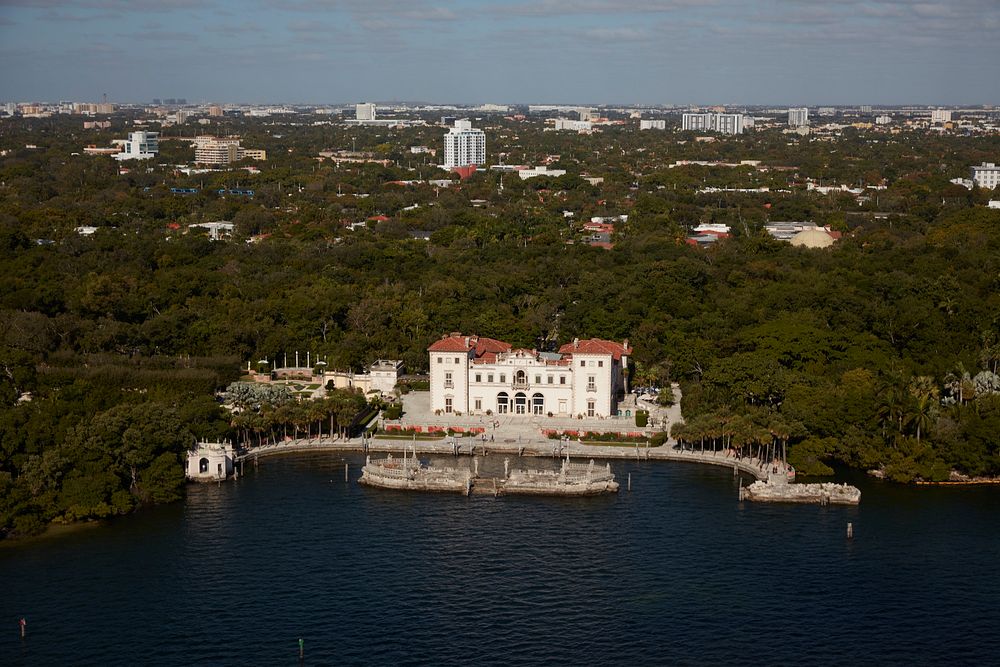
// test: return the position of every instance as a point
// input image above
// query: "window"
(503, 378)
(489, 378)
(447, 405)
(562, 379)
(448, 381)
(600, 364)
(591, 385)
(457, 360)
(550, 379)
(538, 379)
(582, 363)
(520, 403)
(479, 377)
(537, 404)
(503, 403)
(440, 359)
(479, 404)
(590, 408)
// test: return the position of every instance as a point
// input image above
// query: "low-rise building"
(532, 172)
(210, 462)
(986, 175)
(653, 124)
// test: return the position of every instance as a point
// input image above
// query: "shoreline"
(52, 531)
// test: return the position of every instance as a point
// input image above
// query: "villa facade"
(476, 375)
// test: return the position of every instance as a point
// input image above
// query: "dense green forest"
(879, 352)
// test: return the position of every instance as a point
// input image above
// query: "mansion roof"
(486, 350)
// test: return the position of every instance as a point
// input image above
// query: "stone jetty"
(826, 493)
(571, 479)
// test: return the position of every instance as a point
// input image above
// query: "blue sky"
(545, 51)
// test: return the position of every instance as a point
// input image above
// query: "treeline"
(880, 352)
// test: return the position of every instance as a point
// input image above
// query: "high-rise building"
(140, 145)
(865, 108)
(365, 111)
(215, 110)
(940, 116)
(724, 123)
(464, 145)
(798, 117)
(986, 175)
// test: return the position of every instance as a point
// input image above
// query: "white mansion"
(474, 375)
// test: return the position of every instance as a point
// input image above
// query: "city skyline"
(777, 52)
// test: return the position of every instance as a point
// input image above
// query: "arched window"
(503, 403)
(520, 379)
(203, 466)
(537, 404)
(520, 403)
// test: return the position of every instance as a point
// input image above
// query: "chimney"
(466, 341)
(576, 343)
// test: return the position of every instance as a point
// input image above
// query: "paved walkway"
(534, 447)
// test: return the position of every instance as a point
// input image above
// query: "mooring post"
(741, 489)
(850, 530)
(302, 648)
(24, 626)
(345, 471)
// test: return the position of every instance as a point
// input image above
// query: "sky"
(772, 52)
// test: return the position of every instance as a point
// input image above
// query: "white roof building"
(464, 145)
(986, 175)
(141, 145)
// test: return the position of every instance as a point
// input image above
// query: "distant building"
(215, 110)
(724, 123)
(223, 150)
(865, 108)
(464, 146)
(652, 124)
(993, 203)
(216, 230)
(532, 172)
(140, 145)
(986, 175)
(365, 111)
(573, 125)
(940, 116)
(797, 117)
(883, 120)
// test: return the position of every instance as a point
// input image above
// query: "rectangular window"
(447, 380)
(562, 379)
(550, 379)
(590, 409)
(447, 405)
(600, 364)
(538, 379)
(457, 360)
(489, 378)
(479, 377)
(440, 359)
(591, 385)
(503, 378)
(582, 363)
(479, 404)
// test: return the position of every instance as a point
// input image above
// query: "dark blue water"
(675, 572)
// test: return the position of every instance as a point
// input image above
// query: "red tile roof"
(476, 344)
(596, 346)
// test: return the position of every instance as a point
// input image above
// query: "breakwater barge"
(826, 493)
(571, 479)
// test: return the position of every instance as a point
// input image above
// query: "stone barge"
(572, 479)
(411, 475)
(826, 493)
